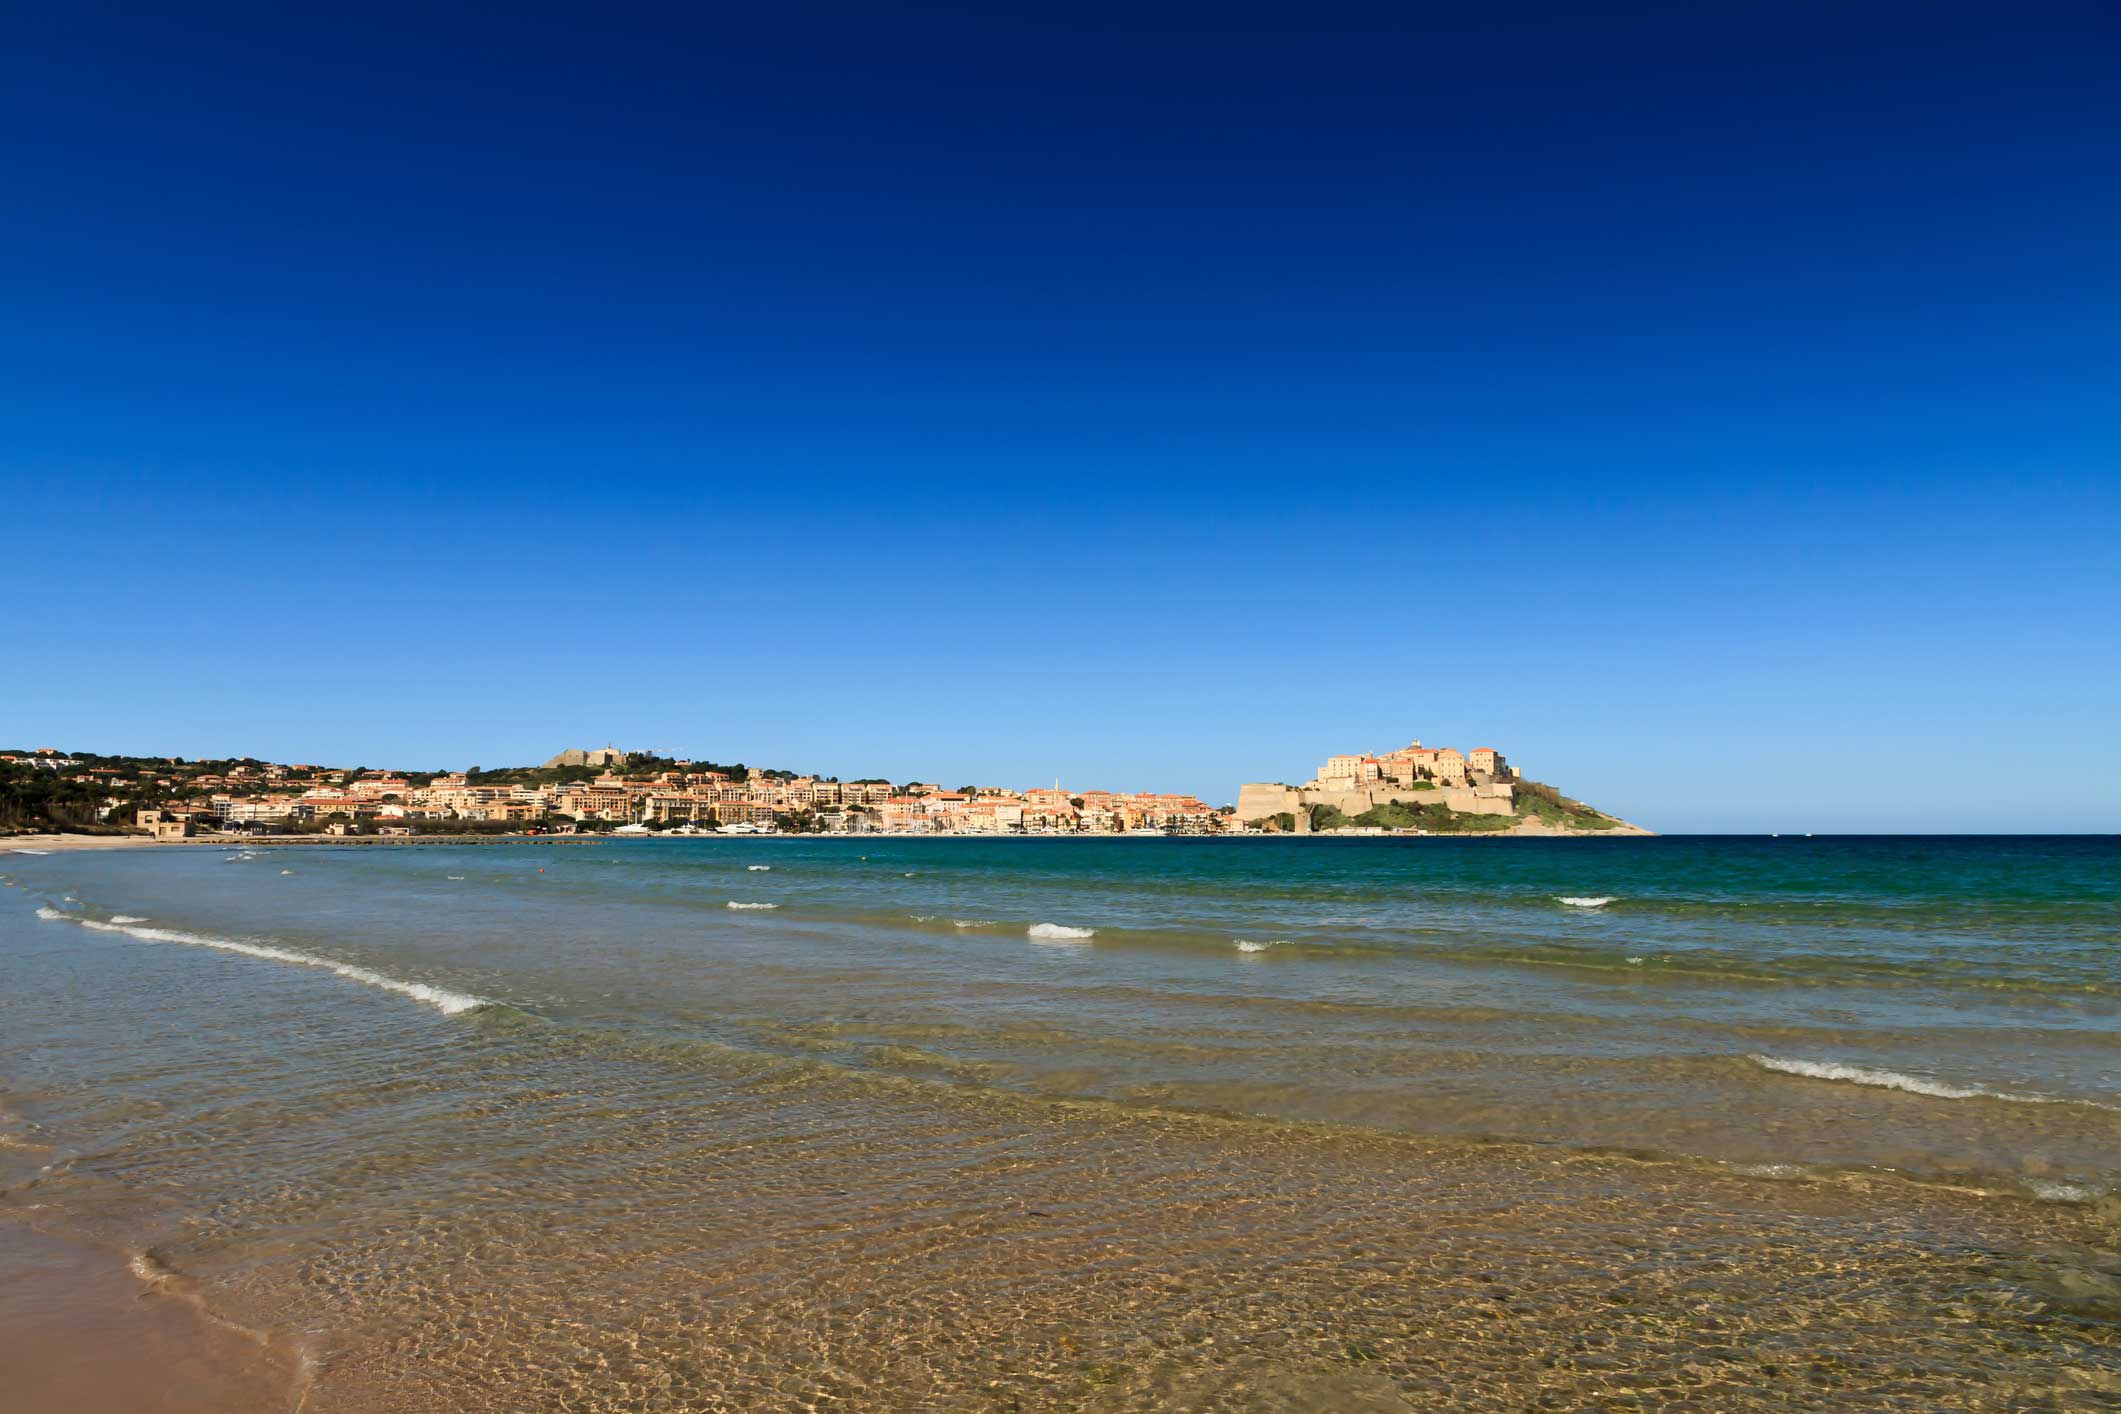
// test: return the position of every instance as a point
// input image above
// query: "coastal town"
(1413, 789)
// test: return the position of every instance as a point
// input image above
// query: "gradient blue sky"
(1695, 402)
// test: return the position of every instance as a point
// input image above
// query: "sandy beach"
(88, 1330)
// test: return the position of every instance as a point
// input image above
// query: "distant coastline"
(51, 843)
(1414, 790)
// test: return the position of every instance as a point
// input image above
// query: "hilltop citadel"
(1439, 790)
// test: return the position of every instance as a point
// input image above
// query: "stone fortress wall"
(1258, 800)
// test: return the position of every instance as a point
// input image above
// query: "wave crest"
(1059, 931)
(442, 999)
(1586, 900)
(1912, 1084)
(734, 904)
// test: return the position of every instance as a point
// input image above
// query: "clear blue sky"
(1692, 401)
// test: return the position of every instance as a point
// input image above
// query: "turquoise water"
(271, 1059)
(1945, 1005)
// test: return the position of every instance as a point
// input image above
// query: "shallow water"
(1309, 1124)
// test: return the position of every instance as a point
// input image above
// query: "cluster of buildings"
(1445, 765)
(563, 795)
(266, 797)
(44, 758)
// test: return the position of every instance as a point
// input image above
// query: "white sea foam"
(456, 878)
(1863, 1075)
(969, 923)
(1059, 932)
(1635, 961)
(442, 999)
(1894, 1080)
(1772, 1170)
(287, 871)
(760, 868)
(734, 904)
(1585, 900)
(922, 917)
(50, 914)
(1248, 945)
(2049, 1190)
(125, 918)
(31, 851)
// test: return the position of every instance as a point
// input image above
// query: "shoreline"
(46, 843)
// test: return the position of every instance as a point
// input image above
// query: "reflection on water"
(694, 1157)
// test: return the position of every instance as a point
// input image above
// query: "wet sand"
(82, 1333)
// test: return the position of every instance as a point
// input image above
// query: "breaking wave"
(1586, 900)
(30, 851)
(1248, 945)
(1059, 930)
(759, 868)
(126, 918)
(1773, 1170)
(734, 904)
(1912, 1084)
(442, 999)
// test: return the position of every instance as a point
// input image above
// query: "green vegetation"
(96, 795)
(1539, 801)
(1437, 819)
(1328, 817)
(636, 765)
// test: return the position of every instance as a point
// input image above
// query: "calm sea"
(1306, 1124)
